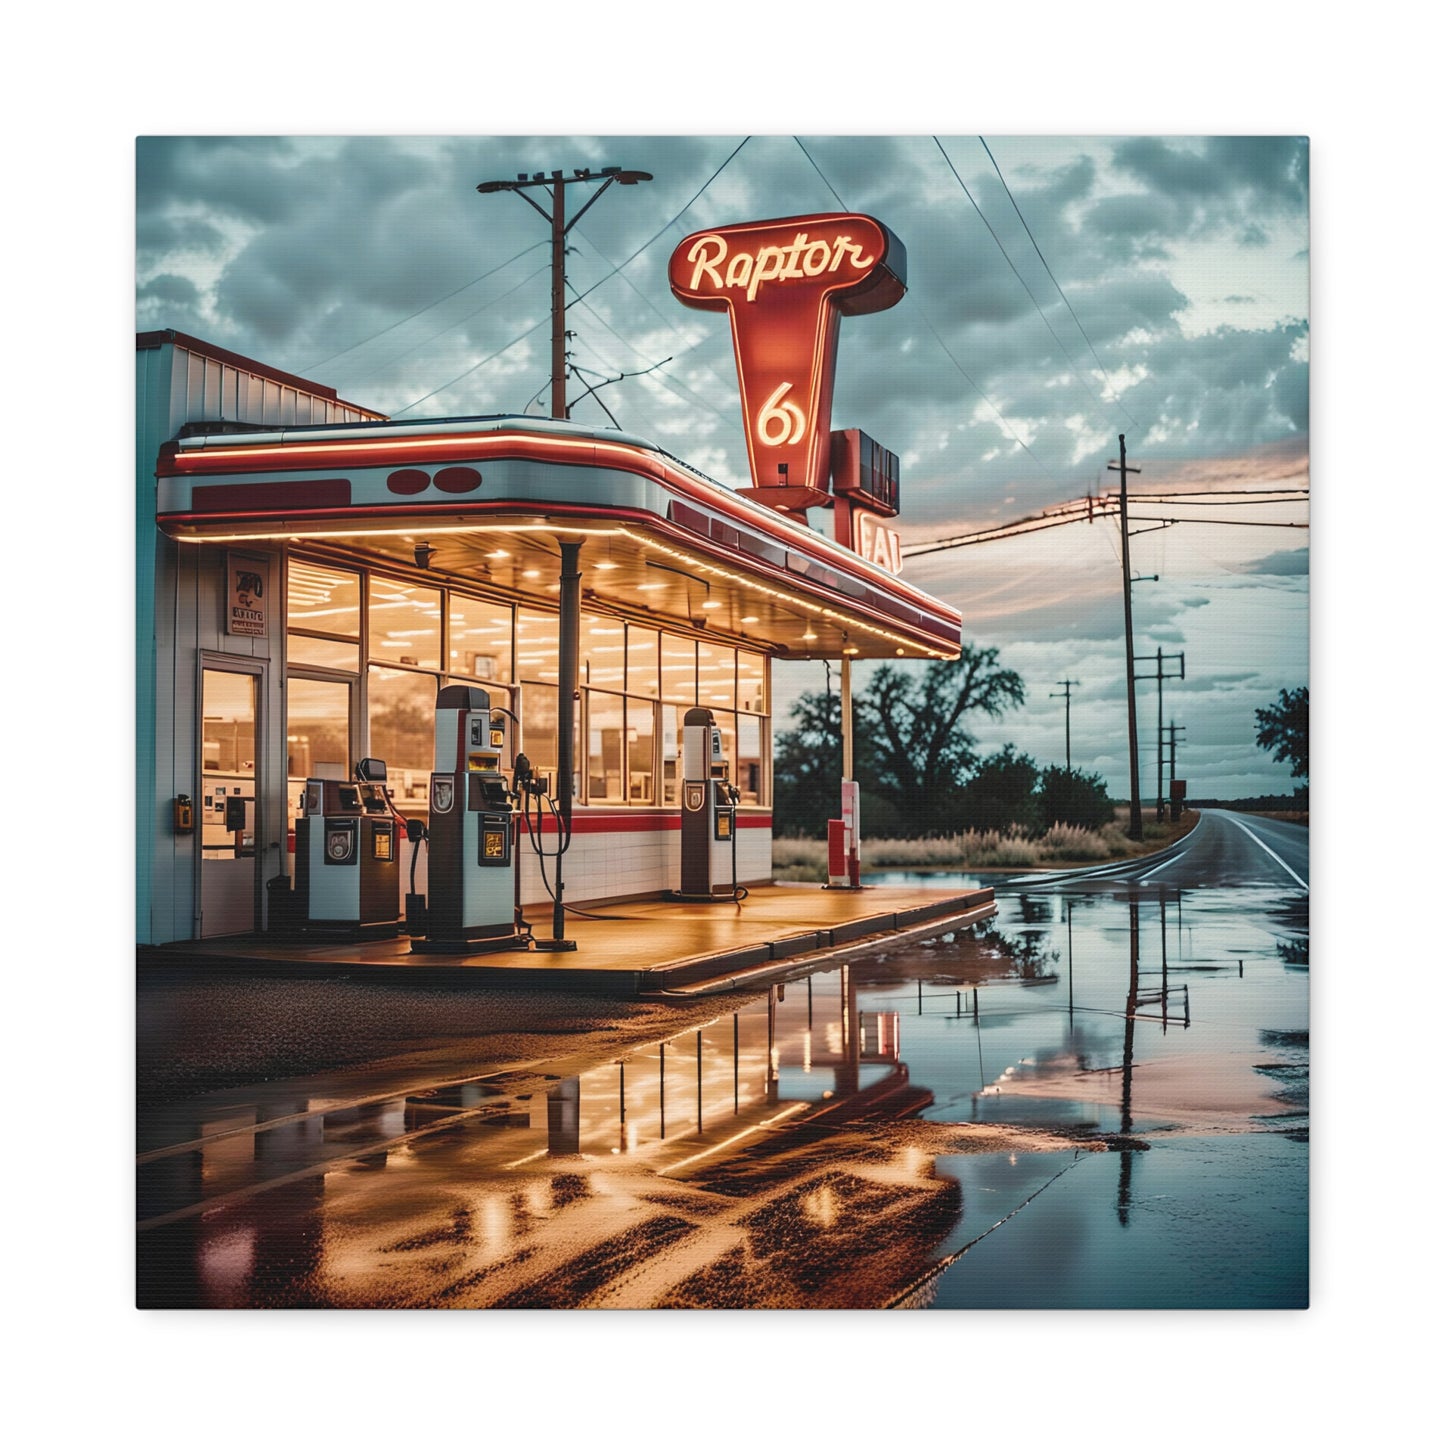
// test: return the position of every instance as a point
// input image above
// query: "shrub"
(1077, 799)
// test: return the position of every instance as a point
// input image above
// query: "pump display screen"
(484, 762)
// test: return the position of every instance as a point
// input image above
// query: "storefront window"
(636, 684)
(672, 716)
(480, 644)
(750, 772)
(715, 686)
(539, 726)
(641, 660)
(606, 748)
(679, 669)
(641, 756)
(537, 645)
(318, 728)
(323, 616)
(750, 683)
(603, 650)
(401, 707)
(727, 726)
(405, 624)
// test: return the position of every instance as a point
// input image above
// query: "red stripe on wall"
(590, 820)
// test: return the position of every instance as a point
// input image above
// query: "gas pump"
(471, 869)
(709, 815)
(346, 855)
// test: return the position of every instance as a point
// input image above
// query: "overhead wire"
(445, 386)
(942, 345)
(665, 229)
(1087, 509)
(430, 306)
(1103, 370)
(1003, 251)
(461, 321)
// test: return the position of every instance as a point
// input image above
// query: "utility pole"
(1159, 675)
(1173, 730)
(556, 218)
(1136, 817)
(1067, 686)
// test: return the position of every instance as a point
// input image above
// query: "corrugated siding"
(205, 389)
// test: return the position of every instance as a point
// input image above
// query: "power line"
(1103, 370)
(1086, 509)
(987, 400)
(821, 176)
(447, 385)
(391, 361)
(665, 229)
(1064, 350)
(580, 295)
(431, 305)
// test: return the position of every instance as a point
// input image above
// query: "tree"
(922, 753)
(1079, 800)
(1284, 730)
(1000, 794)
(911, 756)
(807, 766)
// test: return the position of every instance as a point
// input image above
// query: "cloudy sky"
(1061, 291)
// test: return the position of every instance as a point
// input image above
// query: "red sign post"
(786, 284)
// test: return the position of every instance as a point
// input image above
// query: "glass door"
(230, 869)
(320, 727)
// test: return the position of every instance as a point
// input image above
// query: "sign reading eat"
(785, 284)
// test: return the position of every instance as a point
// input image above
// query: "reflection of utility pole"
(1136, 817)
(1126, 1102)
(1159, 675)
(1067, 687)
(560, 225)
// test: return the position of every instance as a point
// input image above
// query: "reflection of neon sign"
(785, 285)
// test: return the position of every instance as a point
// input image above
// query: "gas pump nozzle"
(522, 775)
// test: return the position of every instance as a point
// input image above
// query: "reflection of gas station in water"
(809, 1050)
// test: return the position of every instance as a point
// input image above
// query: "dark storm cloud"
(252, 178)
(365, 263)
(1263, 172)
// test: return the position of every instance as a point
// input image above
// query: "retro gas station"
(490, 696)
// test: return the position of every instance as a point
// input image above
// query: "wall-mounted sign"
(880, 545)
(245, 596)
(785, 284)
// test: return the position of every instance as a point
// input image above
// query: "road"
(1111, 1077)
(1223, 850)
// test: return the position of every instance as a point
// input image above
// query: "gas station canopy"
(490, 499)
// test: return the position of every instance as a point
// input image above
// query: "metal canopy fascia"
(484, 493)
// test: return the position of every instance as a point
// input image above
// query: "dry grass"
(805, 860)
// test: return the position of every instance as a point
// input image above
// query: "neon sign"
(785, 285)
(879, 544)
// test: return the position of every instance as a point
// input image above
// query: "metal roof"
(491, 496)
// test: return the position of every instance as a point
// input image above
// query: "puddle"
(1096, 1101)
